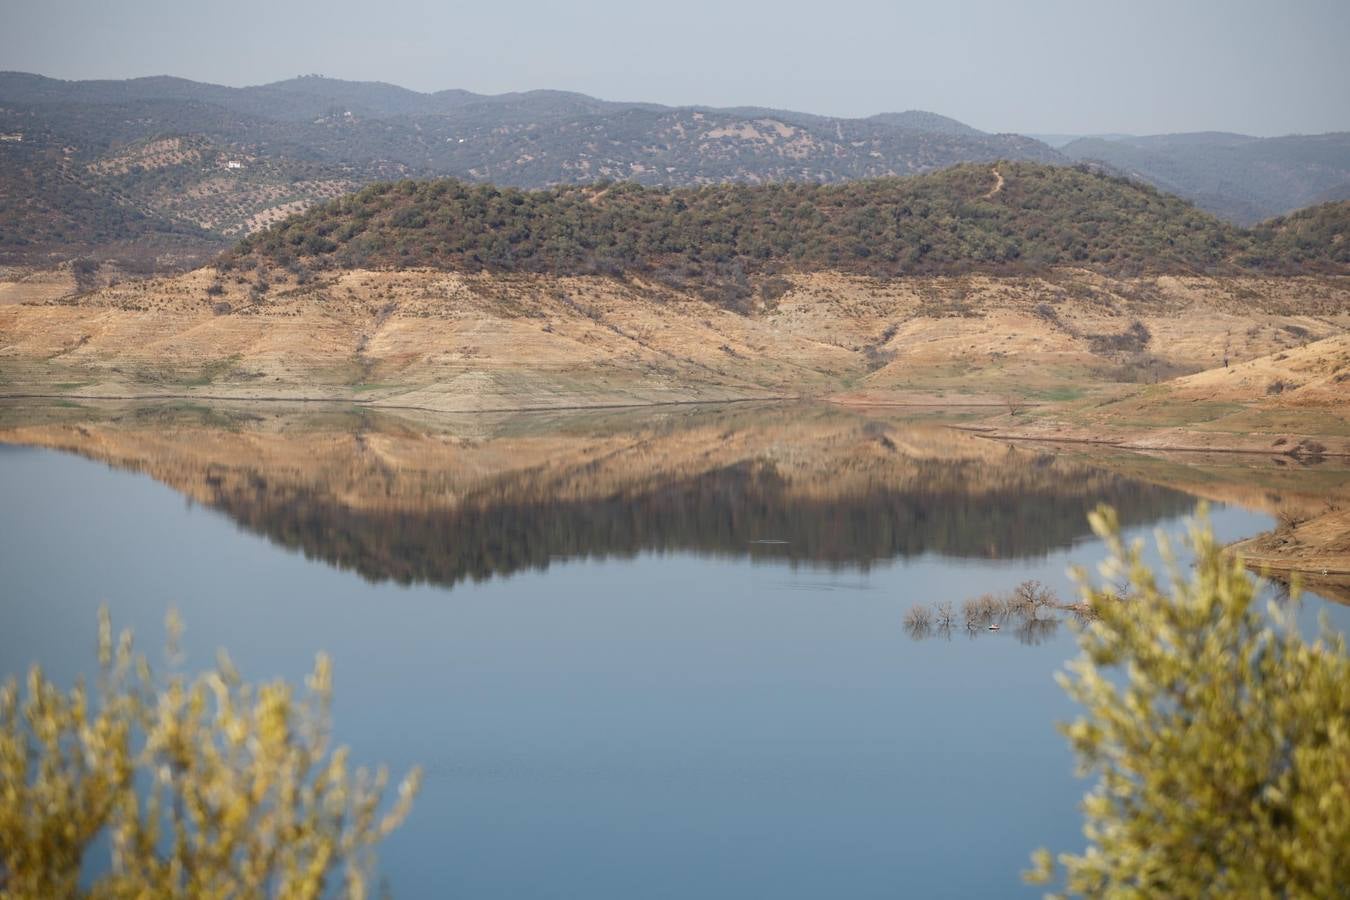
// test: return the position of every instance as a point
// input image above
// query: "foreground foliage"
(208, 787)
(1222, 754)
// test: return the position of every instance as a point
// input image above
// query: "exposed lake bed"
(657, 653)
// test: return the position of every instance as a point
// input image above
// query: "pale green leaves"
(205, 787)
(1223, 756)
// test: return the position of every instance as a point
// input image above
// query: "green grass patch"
(1058, 394)
(212, 371)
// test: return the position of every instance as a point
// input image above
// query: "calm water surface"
(676, 712)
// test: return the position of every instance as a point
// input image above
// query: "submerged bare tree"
(1031, 606)
(944, 616)
(202, 787)
(918, 621)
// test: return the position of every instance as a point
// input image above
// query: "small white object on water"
(993, 627)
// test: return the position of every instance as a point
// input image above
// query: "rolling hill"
(49, 214)
(167, 154)
(1008, 218)
(976, 284)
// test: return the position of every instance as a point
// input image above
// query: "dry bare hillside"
(1312, 374)
(1291, 404)
(440, 340)
(450, 341)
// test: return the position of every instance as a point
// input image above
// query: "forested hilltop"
(1009, 217)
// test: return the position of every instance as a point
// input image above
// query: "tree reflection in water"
(449, 499)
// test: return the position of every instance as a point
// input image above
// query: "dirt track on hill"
(998, 185)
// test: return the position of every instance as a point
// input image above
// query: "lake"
(652, 654)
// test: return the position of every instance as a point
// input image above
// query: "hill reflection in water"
(444, 499)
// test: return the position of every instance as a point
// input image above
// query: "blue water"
(666, 725)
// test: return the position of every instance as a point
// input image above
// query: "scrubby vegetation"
(944, 223)
(1030, 611)
(48, 214)
(205, 787)
(1318, 234)
(1223, 760)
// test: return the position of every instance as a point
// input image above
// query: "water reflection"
(1036, 631)
(449, 499)
(691, 724)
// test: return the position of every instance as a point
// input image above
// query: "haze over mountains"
(1238, 177)
(179, 169)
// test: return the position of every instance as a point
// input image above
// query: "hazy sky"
(1256, 66)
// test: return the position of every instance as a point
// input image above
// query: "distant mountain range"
(530, 139)
(1237, 177)
(173, 169)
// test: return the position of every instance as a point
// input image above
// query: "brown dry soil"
(1287, 412)
(19, 285)
(1272, 404)
(449, 342)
